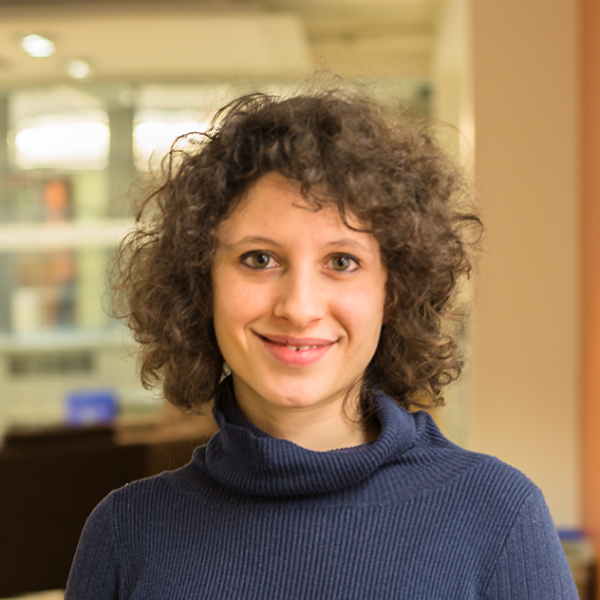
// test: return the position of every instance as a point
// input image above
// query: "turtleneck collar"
(245, 459)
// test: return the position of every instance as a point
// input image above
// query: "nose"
(301, 298)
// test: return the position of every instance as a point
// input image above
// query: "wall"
(453, 105)
(525, 385)
(590, 227)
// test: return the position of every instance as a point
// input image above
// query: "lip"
(279, 347)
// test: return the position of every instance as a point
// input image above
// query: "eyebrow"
(257, 239)
(252, 239)
(348, 242)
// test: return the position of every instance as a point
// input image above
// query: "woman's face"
(298, 299)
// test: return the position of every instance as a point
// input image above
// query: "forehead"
(275, 202)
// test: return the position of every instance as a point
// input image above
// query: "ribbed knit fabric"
(407, 517)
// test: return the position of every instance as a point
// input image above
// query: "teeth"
(298, 348)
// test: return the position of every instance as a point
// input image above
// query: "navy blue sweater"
(407, 517)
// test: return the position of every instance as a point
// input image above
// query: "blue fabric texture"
(407, 517)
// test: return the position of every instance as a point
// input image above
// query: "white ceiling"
(183, 40)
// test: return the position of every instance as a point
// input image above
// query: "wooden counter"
(51, 479)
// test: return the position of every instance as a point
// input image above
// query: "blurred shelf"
(42, 237)
(65, 340)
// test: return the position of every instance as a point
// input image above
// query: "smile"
(300, 348)
(297, 352)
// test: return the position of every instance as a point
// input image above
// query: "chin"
(298, 395)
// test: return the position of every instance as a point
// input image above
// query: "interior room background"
(84, 118)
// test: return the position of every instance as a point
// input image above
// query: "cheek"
(236, 304)
(228, 324)
(363, 311)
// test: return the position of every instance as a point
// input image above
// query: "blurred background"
(93, 92)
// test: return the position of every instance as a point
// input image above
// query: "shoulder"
(167, 489)
(114, 516)
(119, 535)
(496, 512)
(530, 561)
(482, 477)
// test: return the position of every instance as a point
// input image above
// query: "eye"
(344, 262)
(258, 260)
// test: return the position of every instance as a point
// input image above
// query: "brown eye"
(257, 260)
(260, 260)
(343, 262)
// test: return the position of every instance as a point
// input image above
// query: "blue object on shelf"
(91, 407)
(571, 535)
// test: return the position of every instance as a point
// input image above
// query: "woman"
(300, 268)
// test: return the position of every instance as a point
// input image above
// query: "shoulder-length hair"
(343, 149)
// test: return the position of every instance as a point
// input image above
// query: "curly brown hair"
(343, 148)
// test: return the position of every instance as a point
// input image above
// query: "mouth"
(296, 351)
(296, 344)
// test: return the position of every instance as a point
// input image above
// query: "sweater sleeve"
(94, 572)
(532, 564)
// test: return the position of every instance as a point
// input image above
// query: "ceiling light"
(37, 46)
(79, 69)
(53, 142)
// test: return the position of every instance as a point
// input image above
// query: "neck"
(330, 425)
